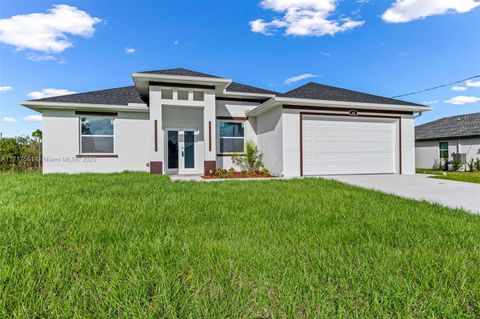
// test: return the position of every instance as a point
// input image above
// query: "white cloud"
(9, 120)
(462, 99)
(303, 18)
(458, 88)
(409, 10)
(5, 88)
(48, 93)
(130, 50)
(300, 77)
(431, 102)
(176, 42)
(473, 84)
(33, 118)
(43, 57)
(47, 32)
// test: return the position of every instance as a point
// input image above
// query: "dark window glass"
(443, 150)
(231, 129)
(231, 145)
(172, 149)
(97, 125)
(189, 149)
(97, 144)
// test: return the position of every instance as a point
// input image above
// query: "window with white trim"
(96, 134)
(232, 137)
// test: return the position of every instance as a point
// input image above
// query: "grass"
(138, 246)
(470, 177)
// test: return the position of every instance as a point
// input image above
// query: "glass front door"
(180, 151)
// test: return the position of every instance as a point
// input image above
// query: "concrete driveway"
(419, 186)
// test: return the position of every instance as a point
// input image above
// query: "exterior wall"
(427, 153)
(291, 143)
(408, 145)
(61, 144)
(270, 139)
(235, 109)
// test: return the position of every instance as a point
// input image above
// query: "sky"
(383, 47)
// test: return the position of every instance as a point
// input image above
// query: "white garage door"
(348, 145)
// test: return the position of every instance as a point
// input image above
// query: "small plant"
(251, 161)
(477, 164)
(266, 172)
(457, 165)
(231, 172)
(221, 173)
(471, 165)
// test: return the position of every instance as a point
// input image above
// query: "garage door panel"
(333, 145)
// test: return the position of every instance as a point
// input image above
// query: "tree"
(37, 136)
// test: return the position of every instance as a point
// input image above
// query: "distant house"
(180, 121)
(440, 139)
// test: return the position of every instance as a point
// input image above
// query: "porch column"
(210, 127)
(156, 140)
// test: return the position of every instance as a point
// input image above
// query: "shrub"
(456, 165)
(477, 164)
(251, 161)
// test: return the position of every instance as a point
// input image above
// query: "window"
(232, 137)
(96, 134)
(443, 150)
(167, 94)
(183, 95)
(198, 96)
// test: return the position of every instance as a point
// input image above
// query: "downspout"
(418, 115)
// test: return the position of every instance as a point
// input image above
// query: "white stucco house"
(179, 121)
(437, 141)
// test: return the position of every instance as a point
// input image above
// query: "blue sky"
(351, 44)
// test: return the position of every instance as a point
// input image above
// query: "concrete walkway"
(419, 186)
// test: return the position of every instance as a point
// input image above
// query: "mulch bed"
(238, 175)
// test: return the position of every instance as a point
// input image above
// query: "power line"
(437, 87)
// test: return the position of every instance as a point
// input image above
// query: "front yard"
(470, 177)
(134, 245)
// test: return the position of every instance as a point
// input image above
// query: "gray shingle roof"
(243, 88)
(454, 126)
(181, 71)
(317, 91)
(117, 96)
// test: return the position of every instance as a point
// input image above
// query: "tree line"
(21, 153)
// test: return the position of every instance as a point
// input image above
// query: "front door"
(180, 151)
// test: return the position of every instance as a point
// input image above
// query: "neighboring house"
(438, 140)
(179, 121)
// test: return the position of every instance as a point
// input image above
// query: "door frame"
(398, 117)
(181, 146)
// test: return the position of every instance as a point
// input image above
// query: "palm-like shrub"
(251, 160)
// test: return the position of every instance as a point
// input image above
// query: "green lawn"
(470, 177)
(134, 245)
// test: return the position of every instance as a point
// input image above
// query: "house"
(437, 141)
(179, 121)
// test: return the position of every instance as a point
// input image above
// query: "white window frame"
(111, 117)
(230, 137)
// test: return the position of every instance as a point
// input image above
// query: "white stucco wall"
(427, 153)
(291, 143)
(408, 145)
(270, 139)
(61, 144)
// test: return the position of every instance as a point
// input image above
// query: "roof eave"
(328, 103)
(39, 106)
